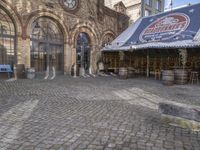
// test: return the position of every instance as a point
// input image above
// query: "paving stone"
(91, 113)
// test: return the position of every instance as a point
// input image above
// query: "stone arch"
(61, 24)
(47, 45)
(16, 24)
(15, 17)
(38, 14)
(86, 28)
(90, 30)
(107, 34)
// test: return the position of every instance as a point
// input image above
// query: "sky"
(177, 3)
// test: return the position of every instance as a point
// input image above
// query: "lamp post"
(171, 5)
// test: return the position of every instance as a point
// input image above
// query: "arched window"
(83, 51)
(47, 45)
(7, 39)
(108, 38)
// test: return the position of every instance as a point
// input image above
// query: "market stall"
(166, 41)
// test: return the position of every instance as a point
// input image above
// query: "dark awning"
(179, 28)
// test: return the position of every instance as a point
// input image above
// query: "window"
(148, 2)
(158, 4)
(83, 50)
(46, 45)
(7, 39)
(147, 12)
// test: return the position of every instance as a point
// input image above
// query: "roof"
(179, 28)
(120, 3)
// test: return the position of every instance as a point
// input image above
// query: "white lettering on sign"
(165, 27)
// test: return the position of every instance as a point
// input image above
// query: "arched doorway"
(7, 39)
(47, 45)
(83, 51)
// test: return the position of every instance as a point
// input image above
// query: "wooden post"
(115, 70)
(148, 63)
(168, 67)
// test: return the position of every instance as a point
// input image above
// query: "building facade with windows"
(56, 33)
(139, 8)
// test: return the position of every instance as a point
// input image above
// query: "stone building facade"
(138, 8)
(45, 33)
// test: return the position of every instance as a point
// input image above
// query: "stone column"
(93, 60)
(23, 51)
(68, 58)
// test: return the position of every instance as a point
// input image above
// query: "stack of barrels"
(168, 77)
(177, 76)
(181, 76)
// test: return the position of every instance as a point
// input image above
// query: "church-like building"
(58, 33)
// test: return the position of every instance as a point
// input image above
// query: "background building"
(58, 33)
(138, 8)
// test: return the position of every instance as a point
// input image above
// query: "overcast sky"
(177, 3)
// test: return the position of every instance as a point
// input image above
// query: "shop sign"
(165, 28)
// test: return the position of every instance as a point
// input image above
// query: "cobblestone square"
(92, 113)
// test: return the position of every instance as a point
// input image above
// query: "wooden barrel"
(30, 73)
(168, 77)
(181, 76)
(123, 73)
(20, 70)
(130, 72)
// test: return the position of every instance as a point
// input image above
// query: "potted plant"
(181, 74)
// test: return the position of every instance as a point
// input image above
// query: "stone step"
(183, 115)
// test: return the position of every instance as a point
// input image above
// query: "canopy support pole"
(148, 71)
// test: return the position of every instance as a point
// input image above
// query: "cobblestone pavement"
(92, 113)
